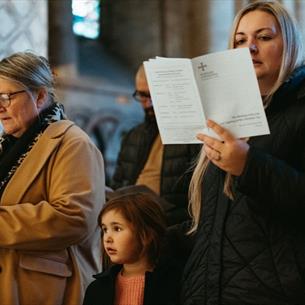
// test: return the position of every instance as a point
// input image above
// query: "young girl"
(134, 227)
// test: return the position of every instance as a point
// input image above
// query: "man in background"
(144, 160)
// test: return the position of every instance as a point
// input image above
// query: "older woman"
(248, 196)
(51, 189)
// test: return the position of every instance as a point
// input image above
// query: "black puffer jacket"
(252, 250)
(175, 172)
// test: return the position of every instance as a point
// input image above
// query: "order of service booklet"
(221, 86)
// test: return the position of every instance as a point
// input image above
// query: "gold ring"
(218, 157)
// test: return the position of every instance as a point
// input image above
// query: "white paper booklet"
(220, 86)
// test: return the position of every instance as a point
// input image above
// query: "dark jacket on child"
(162, 286)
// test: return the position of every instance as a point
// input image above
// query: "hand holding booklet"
(220, 86)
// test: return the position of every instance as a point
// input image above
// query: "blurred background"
(95, 47)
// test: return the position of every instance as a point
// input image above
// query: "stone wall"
(24, 26)
(139, 29)
(131, 29)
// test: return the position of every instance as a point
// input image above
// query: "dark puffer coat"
(252, 250)
(175, 171)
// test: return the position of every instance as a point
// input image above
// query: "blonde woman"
(247, 196)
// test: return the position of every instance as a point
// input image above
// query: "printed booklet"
(221, 86)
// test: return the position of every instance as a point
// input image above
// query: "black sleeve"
(272, 182)
(89, 295)
(179, 243)
(118, 179)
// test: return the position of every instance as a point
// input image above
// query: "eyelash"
(239, 42)
(115, 228)
(263, 38)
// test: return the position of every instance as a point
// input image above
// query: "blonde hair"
(292, 58)
(29, 70)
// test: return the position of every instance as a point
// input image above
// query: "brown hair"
(147, 218)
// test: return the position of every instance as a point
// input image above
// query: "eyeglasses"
(5, 98)
(141, 95)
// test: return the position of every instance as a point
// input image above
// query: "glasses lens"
(4, 99)
(141, 95)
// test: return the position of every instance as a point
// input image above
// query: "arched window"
(86, 15)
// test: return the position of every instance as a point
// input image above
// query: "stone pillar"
(192, 28)
(133, 30)
(199, 28)
(62, 41)
(239, 4)
(173, 26)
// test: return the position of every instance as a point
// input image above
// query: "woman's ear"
(41, 98)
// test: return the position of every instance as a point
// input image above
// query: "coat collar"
(33, 163)
(162, 267)
(111, 272)
(293, 87)
(293, 83)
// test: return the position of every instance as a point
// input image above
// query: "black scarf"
(14, 150)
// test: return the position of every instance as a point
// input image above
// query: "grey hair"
(293, 57)
(31, 71)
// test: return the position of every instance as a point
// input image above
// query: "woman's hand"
(229, 154)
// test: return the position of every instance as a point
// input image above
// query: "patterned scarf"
(14, 151)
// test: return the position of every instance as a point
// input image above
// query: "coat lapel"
(34, 162)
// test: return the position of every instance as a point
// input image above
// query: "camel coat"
(49, 238)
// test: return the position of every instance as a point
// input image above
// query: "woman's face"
(22, 111)
(259, 31)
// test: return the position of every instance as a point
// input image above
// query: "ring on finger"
(218, 157)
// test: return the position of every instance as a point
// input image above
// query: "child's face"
(119, 238)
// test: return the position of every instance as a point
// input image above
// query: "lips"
(256, 62)
(5, 119)
(111, 251)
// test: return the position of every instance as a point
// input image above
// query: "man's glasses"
(141, 95)
(5, 98)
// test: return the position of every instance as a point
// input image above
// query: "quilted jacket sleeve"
(272, 182)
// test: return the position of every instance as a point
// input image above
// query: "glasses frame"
(5, 98)
(139, 96)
